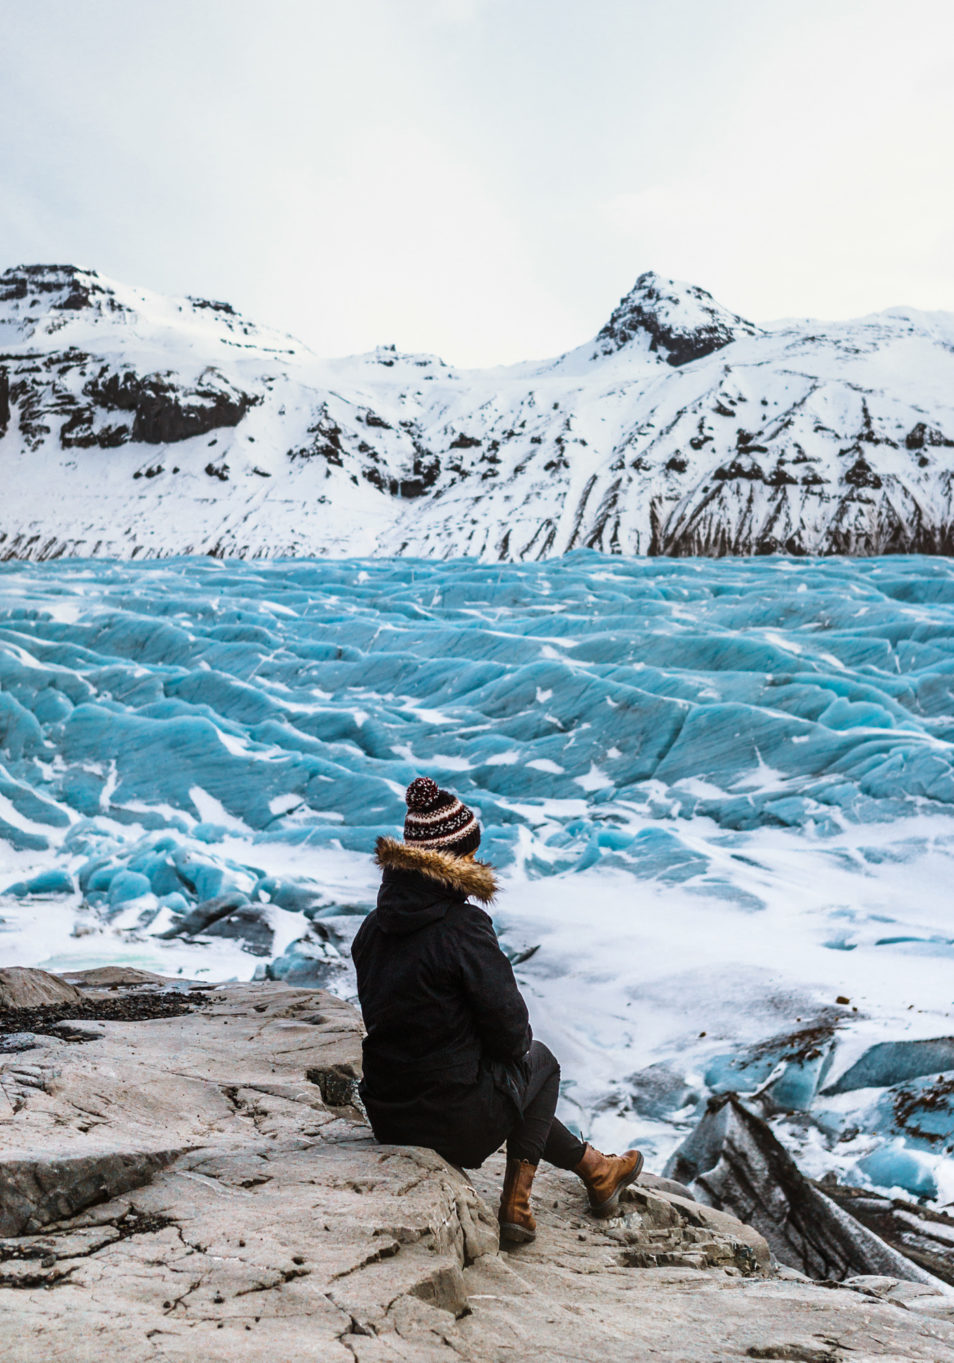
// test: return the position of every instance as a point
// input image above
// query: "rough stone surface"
(177, 1189)
(112, 977)
(22, 987)
(572, 1295)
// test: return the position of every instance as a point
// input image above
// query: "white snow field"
(134, 425)
(720, 794)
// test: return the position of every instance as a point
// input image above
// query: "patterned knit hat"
(437, 820)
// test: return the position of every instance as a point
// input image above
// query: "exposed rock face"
(201, 1187)
(91, 403)
(925, 1237)
(161, 409)
(58, 287)
(4, 402)
(164, 411)
(734, 1161)
(681, 429)
(682, 322)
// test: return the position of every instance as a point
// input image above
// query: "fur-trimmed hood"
(464, 877)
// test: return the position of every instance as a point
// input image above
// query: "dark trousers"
(538, 1134)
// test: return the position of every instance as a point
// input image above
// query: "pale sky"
(483, 179)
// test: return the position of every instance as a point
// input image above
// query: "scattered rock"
(51, 1019)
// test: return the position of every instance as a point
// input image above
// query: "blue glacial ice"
(193, 748)
(297, 698)
(787, 1071)
(894, 1062)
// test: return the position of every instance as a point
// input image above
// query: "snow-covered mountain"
(135, 425)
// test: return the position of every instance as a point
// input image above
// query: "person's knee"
(543, 1060)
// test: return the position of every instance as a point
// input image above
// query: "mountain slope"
(136, 425)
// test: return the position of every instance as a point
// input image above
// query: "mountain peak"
(65, 300)
(681, 321)
(66, 288)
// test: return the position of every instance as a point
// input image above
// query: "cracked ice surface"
(721, 793)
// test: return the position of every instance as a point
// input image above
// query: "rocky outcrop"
(161, 408)
(682, 322)
(734, 1162)
(164, 410)
(22, 987)
(201, 1185)
(4, 402)
(60, 288)
(920, 1234)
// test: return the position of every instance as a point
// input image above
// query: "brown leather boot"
(605, 1177)
(515, 1217)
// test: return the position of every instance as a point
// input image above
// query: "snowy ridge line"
(133, 425)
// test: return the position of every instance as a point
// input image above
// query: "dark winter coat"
(447, 1028)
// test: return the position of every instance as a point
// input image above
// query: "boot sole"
(611, 1204)
(519, 1235)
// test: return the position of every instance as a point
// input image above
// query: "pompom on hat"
(438, 821)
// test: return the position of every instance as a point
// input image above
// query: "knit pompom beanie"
(438, 821)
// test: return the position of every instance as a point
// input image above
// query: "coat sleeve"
(489, 985)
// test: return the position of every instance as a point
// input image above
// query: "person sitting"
(449, 1058)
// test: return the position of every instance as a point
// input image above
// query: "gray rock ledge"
(179, 1188)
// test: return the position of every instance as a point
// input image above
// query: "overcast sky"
(483, 178)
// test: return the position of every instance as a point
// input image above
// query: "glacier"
(721, 795)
